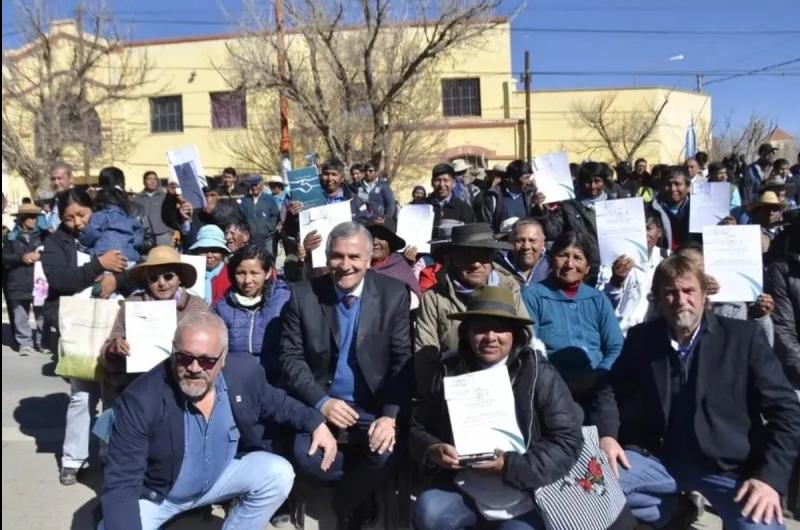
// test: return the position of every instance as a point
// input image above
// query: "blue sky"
(746, 36)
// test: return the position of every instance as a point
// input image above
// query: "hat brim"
(489, 313)
(382, 232)
(186, 273)
(492, 244)
(205, 243)
(756, 205)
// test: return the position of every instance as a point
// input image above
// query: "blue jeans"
(451, 510)
(360, 470)
(259, 481)
(652, 492)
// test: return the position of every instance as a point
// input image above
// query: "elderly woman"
(493, 335)
(237, 235)
(575, 322)
(252, 306)
(162, 276)
(211, 244)
(387, 260)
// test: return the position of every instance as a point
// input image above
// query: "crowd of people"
(337, 373)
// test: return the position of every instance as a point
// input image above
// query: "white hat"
(275, 179)
(459, 166)
(507, 225)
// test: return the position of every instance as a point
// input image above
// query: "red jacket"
(220, 285)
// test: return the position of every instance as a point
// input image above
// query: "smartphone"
(468, 460)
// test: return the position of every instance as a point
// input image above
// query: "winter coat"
(455, 209)
(18, 276)
(581, 334)
(492, 206)
(256, 330)
(262, 216)
(151, 204)
(434, 333)
(783, 283)
(112, 229)
(381, 197)
(549, 419)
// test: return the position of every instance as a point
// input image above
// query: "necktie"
(348, 300)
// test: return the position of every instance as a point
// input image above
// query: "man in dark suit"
(701, 404)
(190, 432)
(346, 351)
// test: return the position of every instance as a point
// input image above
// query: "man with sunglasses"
(190, 433)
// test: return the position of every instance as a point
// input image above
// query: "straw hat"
(27, 209)
(160, 256)
(768, 199)
(492, 302)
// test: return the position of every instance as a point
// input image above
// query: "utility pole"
(286, 141)
(527, 81)
(699, 83)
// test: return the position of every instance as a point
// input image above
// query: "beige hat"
(275, 179)
(27, 209)
(768, 199)
(160, 256)
(459, 166)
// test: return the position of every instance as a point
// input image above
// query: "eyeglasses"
(167, 276)
(186, 360)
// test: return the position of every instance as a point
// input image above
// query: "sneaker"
(26, 351)
(68, 476)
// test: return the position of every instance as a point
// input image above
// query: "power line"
(755, 71)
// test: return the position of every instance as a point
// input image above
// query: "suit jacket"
(739, 382)
(147, 442)
(310, 341)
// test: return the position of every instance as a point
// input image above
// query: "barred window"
(228, 110)
(461, 97)
(166, 114)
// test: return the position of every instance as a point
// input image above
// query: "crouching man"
(189, 433)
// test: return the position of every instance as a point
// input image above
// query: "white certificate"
(732, 255)
(415, 226)
(149, 330)
(482, 412)
(186, 168)
(552, 176)
(621, 230)
(323, 219)
(199, 265)
(709, 204)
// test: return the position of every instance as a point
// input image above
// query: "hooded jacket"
(17, 275)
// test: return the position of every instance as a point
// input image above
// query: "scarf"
(395, 266)
(247, 301)
(210, 275)
(589, 201)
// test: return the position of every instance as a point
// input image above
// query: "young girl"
(112, 226)
(251, 308)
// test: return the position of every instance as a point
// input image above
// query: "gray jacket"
(151, 204)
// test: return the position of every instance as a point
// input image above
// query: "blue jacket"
(112, 229)
(256, 330)
(147, 442)
(380, 198)
(580, 334)
(262, 216)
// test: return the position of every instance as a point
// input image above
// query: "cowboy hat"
(443, 231)
(159, 256)
(491, 302)
(275, 179)
(476, 235)
(27, 209)
(381, 231)
(768, 199)
(459, 166)
(498, 170)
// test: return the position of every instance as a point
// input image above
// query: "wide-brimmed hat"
(768, 199)
(476, 235)
(492, 302)
(210, 236)
(381, 231)
(506, 227)
(161, 256)
(459, 165)
(497, 170)
(443, 231)
(27, 209)
(275, 179)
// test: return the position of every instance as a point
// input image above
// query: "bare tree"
(58, 87)
(743, 140)
(621, 133)
(353, 69)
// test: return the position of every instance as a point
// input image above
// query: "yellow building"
(480, 113)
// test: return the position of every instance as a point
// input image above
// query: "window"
(166, 114)
(461, 97)
(228, 110)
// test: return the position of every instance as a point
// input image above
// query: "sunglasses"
(186, 360)
(168, 277)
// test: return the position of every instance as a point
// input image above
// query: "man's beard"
(686, 319)
(192, 390)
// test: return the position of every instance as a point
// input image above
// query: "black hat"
(441, 169)
(766, 148)
(476, 235)
(381, 231)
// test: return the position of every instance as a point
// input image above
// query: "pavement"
(34, 406)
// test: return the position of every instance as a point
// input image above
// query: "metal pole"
(527, 81)
(699, 82)
(286, 141)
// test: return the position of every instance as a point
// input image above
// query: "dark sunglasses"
(206, 363)
(168, 277)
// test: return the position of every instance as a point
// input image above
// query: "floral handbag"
(588, 497)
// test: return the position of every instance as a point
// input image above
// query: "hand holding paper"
(150, 328)
(553, 178)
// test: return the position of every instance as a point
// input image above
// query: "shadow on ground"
(8, 335)
(44, 419)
